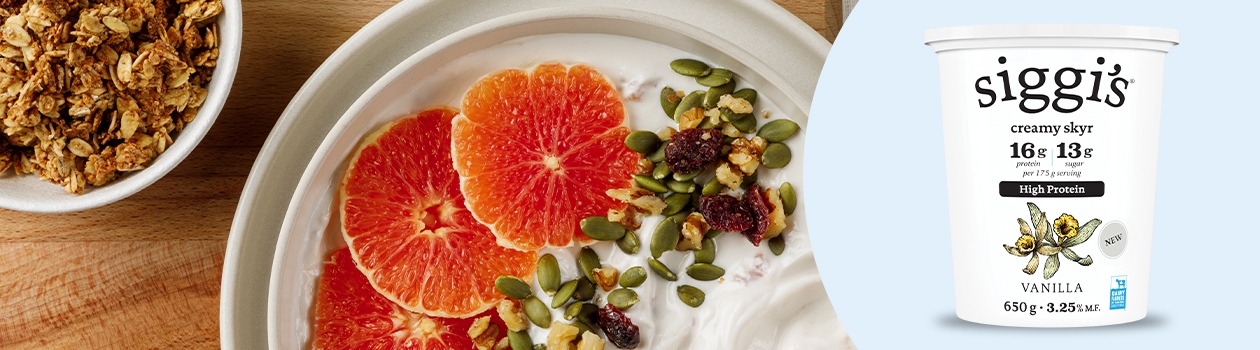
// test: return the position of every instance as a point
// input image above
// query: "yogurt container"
(1051, 136)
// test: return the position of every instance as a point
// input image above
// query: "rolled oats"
(90, 89)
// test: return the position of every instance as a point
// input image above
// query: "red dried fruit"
(759, 207)
(725, 213)
(618, 328)
(692, 150)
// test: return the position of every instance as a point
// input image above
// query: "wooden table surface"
(144, 272)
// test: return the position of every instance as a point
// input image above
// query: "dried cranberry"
(725, 213)
(692, 150)
(618, 328)
(759, 206)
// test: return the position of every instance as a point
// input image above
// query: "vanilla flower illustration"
(1069, 235)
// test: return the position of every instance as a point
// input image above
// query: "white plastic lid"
(1051, 35)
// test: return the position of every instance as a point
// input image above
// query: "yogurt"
(1050, 139)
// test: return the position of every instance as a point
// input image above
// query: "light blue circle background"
(875, 171)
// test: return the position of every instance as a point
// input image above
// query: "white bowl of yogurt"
(1050, 140)
(766, 301)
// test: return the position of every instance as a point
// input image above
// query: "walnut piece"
(746, 154)
(693, 229)
(778, 221)
(605, 277)
(590, 341)
(512, 315)
(735, 104)
(562, 336)
(640, 198)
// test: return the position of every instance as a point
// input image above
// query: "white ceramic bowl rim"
(28, 193)
(296, 210)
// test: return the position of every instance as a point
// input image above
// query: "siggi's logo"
(1067, 83)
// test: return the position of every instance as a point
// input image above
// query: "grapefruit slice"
(404, 220)
(537, 150)
(349, 314)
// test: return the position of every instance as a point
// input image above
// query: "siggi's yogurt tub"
(1050, 141)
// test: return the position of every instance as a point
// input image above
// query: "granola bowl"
(104, 135)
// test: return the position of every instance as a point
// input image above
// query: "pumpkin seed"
(643, 141)
(777, 244)
(573, 310)
(716, 77)
(745, 125)
(693, 100)
(712, 234)
(623, 298)
(548, 274)
(537, 312)
(686, 177)
(660, 171)
(715, 93)
(689, 67)
(587, 260)
(675, 203)
(731, 116)
(520, 340)
(633, 277)
(706, 123)
(599, 228)
(707, 252)
(588, 313)
(585, 289)
(664, 238)
(749, 181)
(705, 272)
(669, 101)
(513, 287)
(788, 195)
(680, 217)
(659, 155)
(661, 270)
(727, 140)
(540, 346)
(691, 296)
(776, 155)
(712, 187)
(629, 243)
(747, 94)
(650, 184)
(778, 130)
(562, 296)
(582, 328)
(680, 186)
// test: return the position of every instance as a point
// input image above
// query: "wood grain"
(143, 273)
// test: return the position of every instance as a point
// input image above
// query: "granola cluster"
(89, 89)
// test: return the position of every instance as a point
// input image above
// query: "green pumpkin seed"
(777, 244)
(715, 93)
(572, 311)
(716, 77)
(664, 238)
(749, 180)
(548, 274)
(562, 296)
(686, 177)
(623, 298)
(693, 100)
(691, 296)
(705, 272)
(582, 328)
(661, 270)
(680, 217)
(680, 186)
(659, 155)
(588, 313)
(706, 123)
(633, 277)
(585, 289)
(537, 312)
(730, 116)
(712, 234)
(788, 195)
(629, 243)
(520, 340)
(776, 155)
(707, 252)
(749, 95)
(745, 125)
(712, 187)
(675, 203)
(587, 260)
(689, 67)
(643, 141)
(650, 184)
(513, 287)
(669, 101)
(660, 171)
(599, 228)
(540, 346)
(778, 130)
